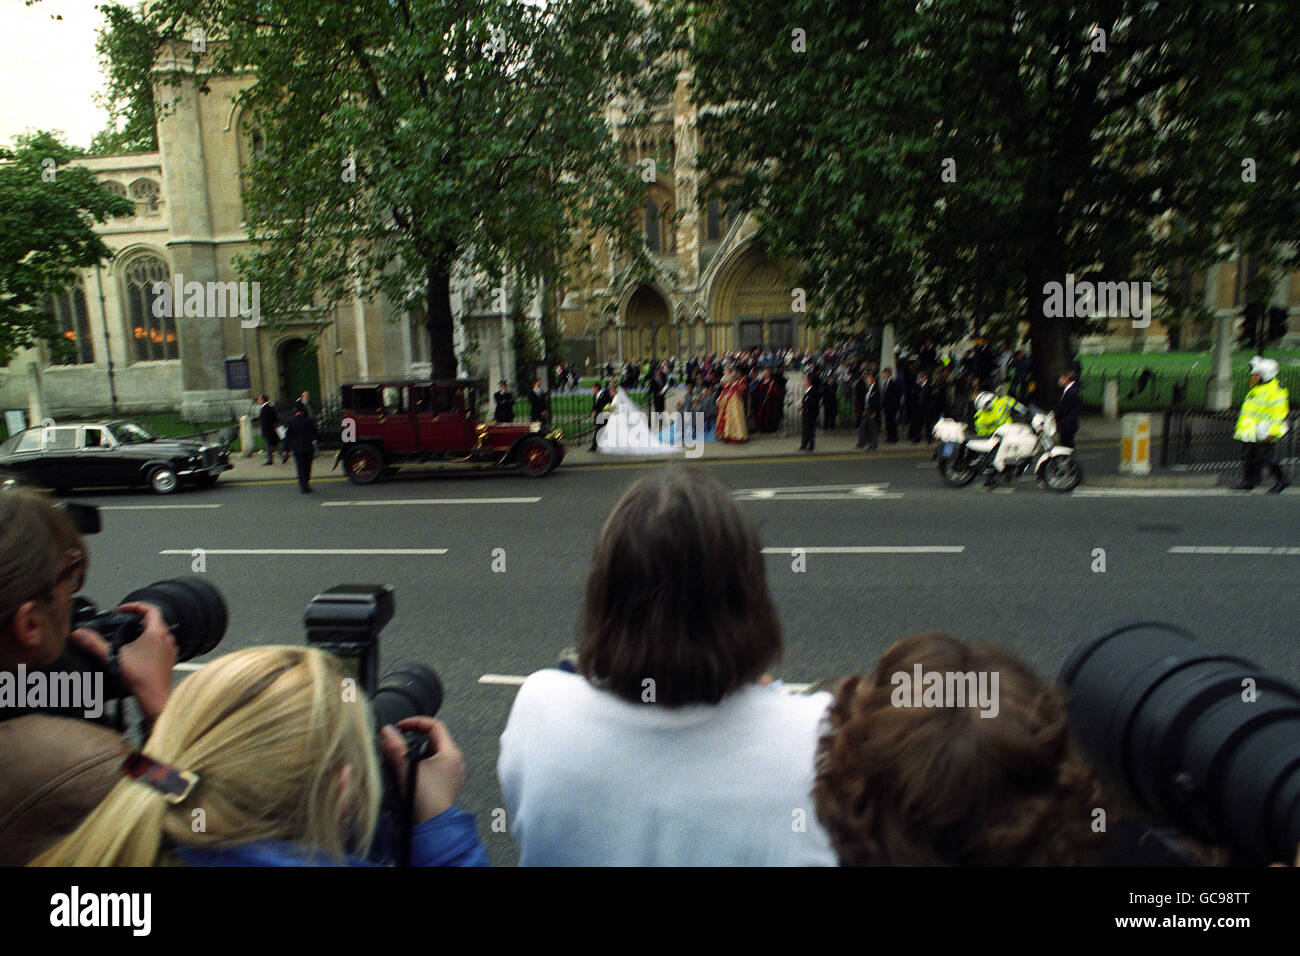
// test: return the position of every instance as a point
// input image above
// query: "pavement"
(1095, 432)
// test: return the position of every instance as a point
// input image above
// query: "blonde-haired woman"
(260, 758)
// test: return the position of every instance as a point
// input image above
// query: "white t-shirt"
(590, 779)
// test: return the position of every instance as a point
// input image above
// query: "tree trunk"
(442, 354)
(1049, 338)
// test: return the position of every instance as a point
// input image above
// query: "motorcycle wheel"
(956, 475)
(1062, 473)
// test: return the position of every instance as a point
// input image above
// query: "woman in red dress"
(731, 409)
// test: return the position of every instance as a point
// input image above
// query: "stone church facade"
(714, 289)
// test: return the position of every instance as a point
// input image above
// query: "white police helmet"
(983, 400)
(1265, 368)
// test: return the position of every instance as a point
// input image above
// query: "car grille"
(209, 457)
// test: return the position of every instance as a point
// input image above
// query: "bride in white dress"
(627, 431)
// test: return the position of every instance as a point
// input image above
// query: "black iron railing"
(1197, 440)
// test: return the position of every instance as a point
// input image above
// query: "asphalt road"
(1016, 567)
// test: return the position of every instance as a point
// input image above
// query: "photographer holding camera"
(55, 769)
(261, 758)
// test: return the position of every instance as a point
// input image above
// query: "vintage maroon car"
(389, 424)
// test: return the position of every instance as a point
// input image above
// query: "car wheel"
(364, 464)
(163, 480)
(536, 457)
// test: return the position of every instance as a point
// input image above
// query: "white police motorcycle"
(963, 457)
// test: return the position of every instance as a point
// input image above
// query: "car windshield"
(128, 432)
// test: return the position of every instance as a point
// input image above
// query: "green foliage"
(405, 136)
(48, 209)
(1065, 158)
(127, 47)
(530, 352)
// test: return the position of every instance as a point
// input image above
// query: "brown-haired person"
(55, 769)
(901, 784)
(667, 748)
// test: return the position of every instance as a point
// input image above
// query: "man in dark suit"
(892, 399)
(301, 440)
(659, 388)
(809, 406)
(859, 397)
(928, 405)
(603, 397)
(1067, 409)
(869, 428)
(268, 418)
(505, 403)
(830, 392)
(915, 391)
(539, 403)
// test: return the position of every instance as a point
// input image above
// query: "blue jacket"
(448, 839)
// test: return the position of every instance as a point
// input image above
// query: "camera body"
(345, 621)
(193, 608)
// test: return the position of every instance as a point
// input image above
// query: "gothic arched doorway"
(299, 371)
(646, 332)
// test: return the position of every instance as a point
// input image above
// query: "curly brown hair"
(903, 785)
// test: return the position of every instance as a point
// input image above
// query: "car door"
(444, 425)
(396, 419)
(58, 461)
(98, 460)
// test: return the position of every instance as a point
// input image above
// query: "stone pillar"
(1110, 399)
(193, 254)
(887, 347)
(35, 400)
(1218, 394)
(688, 228)
(246, 436)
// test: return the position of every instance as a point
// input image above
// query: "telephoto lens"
(1204, 741)
(193, 609)
(408, 690)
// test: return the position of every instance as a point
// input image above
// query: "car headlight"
(535, 427)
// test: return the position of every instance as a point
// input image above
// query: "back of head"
(943, 785)
(268, 732)
(677, 595)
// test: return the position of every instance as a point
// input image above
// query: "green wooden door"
(299, 372)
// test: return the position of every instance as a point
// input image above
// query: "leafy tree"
(936, 164)
(47, 214)
(127, 47)
(403, 137)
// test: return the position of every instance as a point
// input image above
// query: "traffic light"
(1276, 324)
(1250, 327)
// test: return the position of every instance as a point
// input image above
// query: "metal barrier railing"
(1197, 440)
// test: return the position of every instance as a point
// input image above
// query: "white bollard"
(1135, 445)
(1110, 399)
(246, 436)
